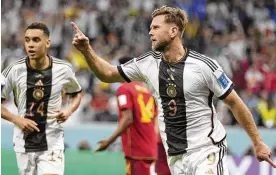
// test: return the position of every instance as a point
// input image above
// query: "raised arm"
(245, 119)
(102, 69)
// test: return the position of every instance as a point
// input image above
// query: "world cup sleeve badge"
(222, 78)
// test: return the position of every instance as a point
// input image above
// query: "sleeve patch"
(223, 81)
(222, 78)
(122, 99)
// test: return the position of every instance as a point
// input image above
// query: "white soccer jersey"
(2, 82)
(38, 95)
(183, 92)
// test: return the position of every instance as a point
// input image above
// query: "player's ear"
(174, 31)
(48, 43)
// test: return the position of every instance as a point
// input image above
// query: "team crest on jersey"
(171, 90)
(38, 92)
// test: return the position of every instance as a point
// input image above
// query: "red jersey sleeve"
(124, 99)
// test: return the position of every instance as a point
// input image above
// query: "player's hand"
(263, 153)
(62, 115)
(103, 145)
(80, 41)
(26, 125)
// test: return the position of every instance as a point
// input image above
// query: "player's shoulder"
(150, 55)
(63, 64)
(203, 61)
(13, 66)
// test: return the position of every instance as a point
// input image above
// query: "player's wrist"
(257, 141)
(86, 50)
(14, 119)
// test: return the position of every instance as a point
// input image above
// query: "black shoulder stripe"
(143, 56)
(154, 54)
(64, 63)
(13, 64)
(61, 61)
(206, 62)
(7, 70)
(204, 57)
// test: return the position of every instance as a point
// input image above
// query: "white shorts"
(210, 160)
(40, 163)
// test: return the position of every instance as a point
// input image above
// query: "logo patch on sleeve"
(122, 100)
(223, 81)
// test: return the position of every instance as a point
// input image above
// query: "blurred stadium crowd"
(240, 35)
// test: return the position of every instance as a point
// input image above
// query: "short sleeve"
(216, 79)
(124, 98)
(72, 86)
(130, 71)
(6, 84)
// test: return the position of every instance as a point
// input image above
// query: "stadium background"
(240, 35)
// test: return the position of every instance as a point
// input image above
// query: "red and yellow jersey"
(139, 140)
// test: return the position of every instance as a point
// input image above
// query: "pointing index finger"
(76, 28)
(270, 162)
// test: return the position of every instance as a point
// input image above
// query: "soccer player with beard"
(37, 81)
(183, 83)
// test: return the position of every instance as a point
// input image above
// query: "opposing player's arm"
(124, 123)
(125, 105)
(101, 68)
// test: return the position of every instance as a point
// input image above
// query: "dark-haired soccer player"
(37, 81)
(137, 127)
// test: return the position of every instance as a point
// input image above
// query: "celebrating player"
(137, 121)
(183, 83)
(37, 81)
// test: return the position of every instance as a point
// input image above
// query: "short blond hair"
(173, 15)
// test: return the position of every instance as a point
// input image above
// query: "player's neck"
(174, 52)
(40, 63)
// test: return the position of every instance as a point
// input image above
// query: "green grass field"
(76, 163)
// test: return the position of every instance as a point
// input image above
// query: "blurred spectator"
(267, 110)
(251, 100)
(249, 151)
(84, 145)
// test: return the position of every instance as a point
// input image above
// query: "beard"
(161, 45)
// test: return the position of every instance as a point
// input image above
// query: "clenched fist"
(80, 41)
